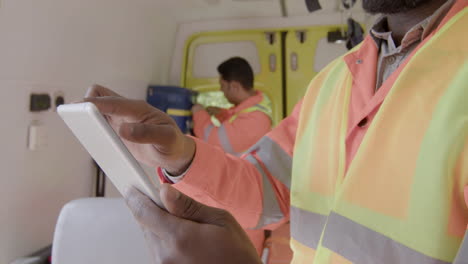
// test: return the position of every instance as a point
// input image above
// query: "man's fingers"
(212, 110)
(157, 134)
(151, 217)
(158, 247)
(119, 106)
(185, 207)
(98, 91)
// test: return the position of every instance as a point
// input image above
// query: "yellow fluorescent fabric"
(394, 203)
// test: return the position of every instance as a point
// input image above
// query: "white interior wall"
(62, 45)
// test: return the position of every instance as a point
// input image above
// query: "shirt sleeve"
(222, 115)
(201, 123)
(255, 188)
(237, 136)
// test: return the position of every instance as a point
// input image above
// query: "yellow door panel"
(307, 52)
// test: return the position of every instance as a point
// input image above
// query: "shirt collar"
(417, 33)
(251, 101)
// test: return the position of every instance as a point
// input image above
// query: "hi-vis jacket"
(240, 126)
(392, 189)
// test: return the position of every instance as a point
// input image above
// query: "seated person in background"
(242, 125)
(246, 122)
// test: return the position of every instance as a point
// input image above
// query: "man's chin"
(391, 6)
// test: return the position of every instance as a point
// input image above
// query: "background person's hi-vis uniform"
(239, 128)
(401, 197)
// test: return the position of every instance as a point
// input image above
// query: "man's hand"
(190, 232)
(213, 110)
(150, 135)
(197, 107)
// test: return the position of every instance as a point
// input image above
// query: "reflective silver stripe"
(262, 107)
(224, 140)
(271, 212)
(277, 161)
(362, 245)
(208, 131)
(307, 227)
(462, 257)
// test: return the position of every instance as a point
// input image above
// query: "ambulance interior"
(53, 50)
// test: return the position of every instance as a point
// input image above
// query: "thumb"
(157, 134)
(181, 205)
(97, 90)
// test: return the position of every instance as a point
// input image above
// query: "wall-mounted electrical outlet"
(39, 102)
(37, 136)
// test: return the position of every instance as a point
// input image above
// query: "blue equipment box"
(177, 102)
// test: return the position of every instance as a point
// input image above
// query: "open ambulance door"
(262, 49)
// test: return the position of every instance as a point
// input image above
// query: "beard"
(391, 6)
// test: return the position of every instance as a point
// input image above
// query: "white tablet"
(106, 148)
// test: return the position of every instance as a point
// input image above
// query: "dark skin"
(189, 232)
(400, 23)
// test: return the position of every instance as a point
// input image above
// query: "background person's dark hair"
(237, 69)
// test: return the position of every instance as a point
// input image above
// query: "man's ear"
(236, 86)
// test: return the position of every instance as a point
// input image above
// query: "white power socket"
(37, 136)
